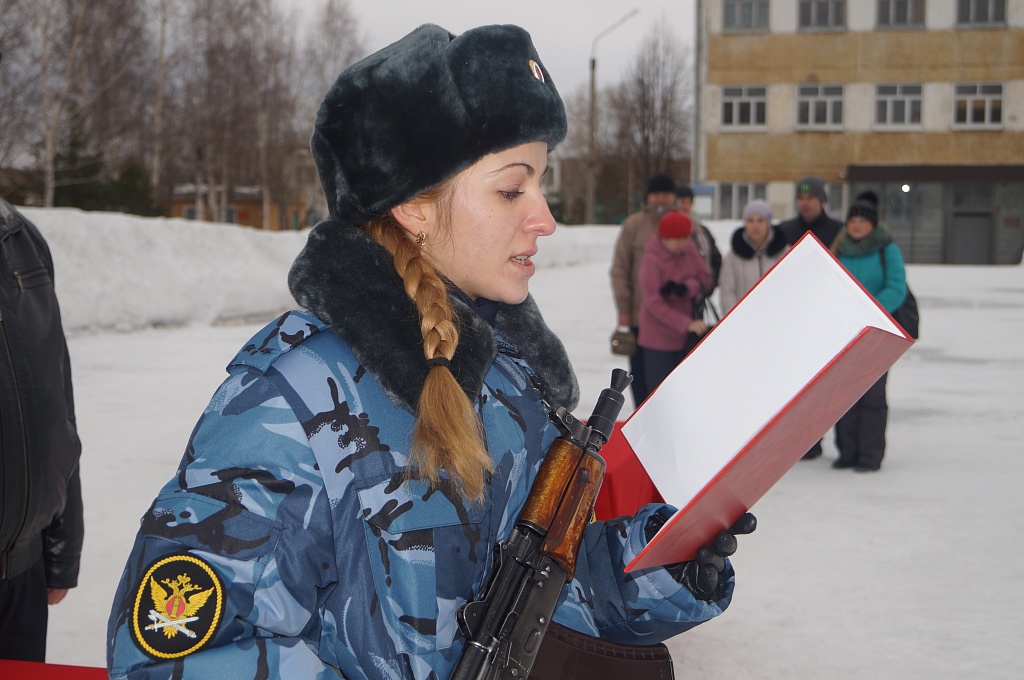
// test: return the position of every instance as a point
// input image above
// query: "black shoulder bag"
(906, 315)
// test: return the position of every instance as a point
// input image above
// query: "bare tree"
(213, 91)
(167, 16)
(112, 75)
(278, 93)
(572, 153)
(17, 82)
(652, 106)
(57, 27)
(75, 53)
(211, 88)
(333, 43)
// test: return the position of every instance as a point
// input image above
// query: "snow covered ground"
(916, 572)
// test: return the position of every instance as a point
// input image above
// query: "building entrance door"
(970, 239)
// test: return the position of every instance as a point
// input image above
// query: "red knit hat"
(675, 225)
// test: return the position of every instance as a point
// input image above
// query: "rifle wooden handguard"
(562, 499)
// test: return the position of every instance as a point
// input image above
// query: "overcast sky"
(562, 30)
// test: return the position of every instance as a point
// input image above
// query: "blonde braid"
(447, 434)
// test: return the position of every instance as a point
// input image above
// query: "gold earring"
(421, 239)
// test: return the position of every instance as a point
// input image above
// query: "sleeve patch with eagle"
(178, 606)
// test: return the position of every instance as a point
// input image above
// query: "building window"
(819, 106)
(822, 15)
(980, 12)
(978, 105)
(230, 215)
(746, 15)
(898, 105)
(733, 197)
(900, 13)
(836, 204)
(189, 213)
(744, 107)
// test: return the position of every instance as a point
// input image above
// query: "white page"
(787, 329)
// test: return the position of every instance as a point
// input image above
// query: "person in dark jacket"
(41, 527)
(867, 250)
(811, 216)
(342, 495)
(702, 237)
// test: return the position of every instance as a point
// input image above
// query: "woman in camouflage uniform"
(341, 494)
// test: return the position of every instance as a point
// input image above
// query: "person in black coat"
(702, 237)
(811, 216)
(41, 525)
(811, 201)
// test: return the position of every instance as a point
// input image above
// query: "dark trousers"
(659, 364)
(23, 615)
(814, 451)
(636, 367)
(860, 434)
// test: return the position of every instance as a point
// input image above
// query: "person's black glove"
(673, 288)
(702, 576)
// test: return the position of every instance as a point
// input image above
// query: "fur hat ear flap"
(419, 111)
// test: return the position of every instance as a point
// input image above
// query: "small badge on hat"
(537, 73)
(178, 605)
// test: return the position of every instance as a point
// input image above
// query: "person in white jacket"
(755, 248)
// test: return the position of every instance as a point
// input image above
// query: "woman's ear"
(413, 217)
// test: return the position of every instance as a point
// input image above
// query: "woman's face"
(495, 216)
(756, 228)
(858, 227)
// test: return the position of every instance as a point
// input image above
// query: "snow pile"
(123, 272)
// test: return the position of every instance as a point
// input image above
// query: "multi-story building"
(921, 101)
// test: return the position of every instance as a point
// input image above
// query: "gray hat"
(814, 186)
(420, 110)
(757, 207)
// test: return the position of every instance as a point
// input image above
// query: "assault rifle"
(505, 627)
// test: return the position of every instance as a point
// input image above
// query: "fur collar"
(875, 241)
(349, 281)
(776, 241)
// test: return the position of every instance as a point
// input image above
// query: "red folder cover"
(28, 670)
(748, 464)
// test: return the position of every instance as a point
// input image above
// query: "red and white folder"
(770, 380)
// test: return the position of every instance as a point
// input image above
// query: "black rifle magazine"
(568, 655)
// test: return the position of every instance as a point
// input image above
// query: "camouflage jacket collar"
(348, 280)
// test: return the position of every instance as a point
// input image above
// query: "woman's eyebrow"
(530, 170)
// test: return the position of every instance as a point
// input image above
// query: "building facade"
(921, 101)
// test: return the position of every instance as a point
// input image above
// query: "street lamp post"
(592, 161)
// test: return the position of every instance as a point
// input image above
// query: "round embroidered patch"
(178, 605)
(537, 73)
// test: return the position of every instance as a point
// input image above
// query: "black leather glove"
(702, 576)
(673, 288)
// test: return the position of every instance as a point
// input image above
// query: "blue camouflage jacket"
(293, 542)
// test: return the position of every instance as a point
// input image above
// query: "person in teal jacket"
(341, 496)
(867, 250)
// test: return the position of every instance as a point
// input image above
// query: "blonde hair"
(448, 434)
(838, 240)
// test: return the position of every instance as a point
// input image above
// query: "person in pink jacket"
(673, 277)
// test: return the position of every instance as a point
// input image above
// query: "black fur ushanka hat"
(420, 110)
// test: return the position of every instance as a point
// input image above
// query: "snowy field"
(915, 573)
